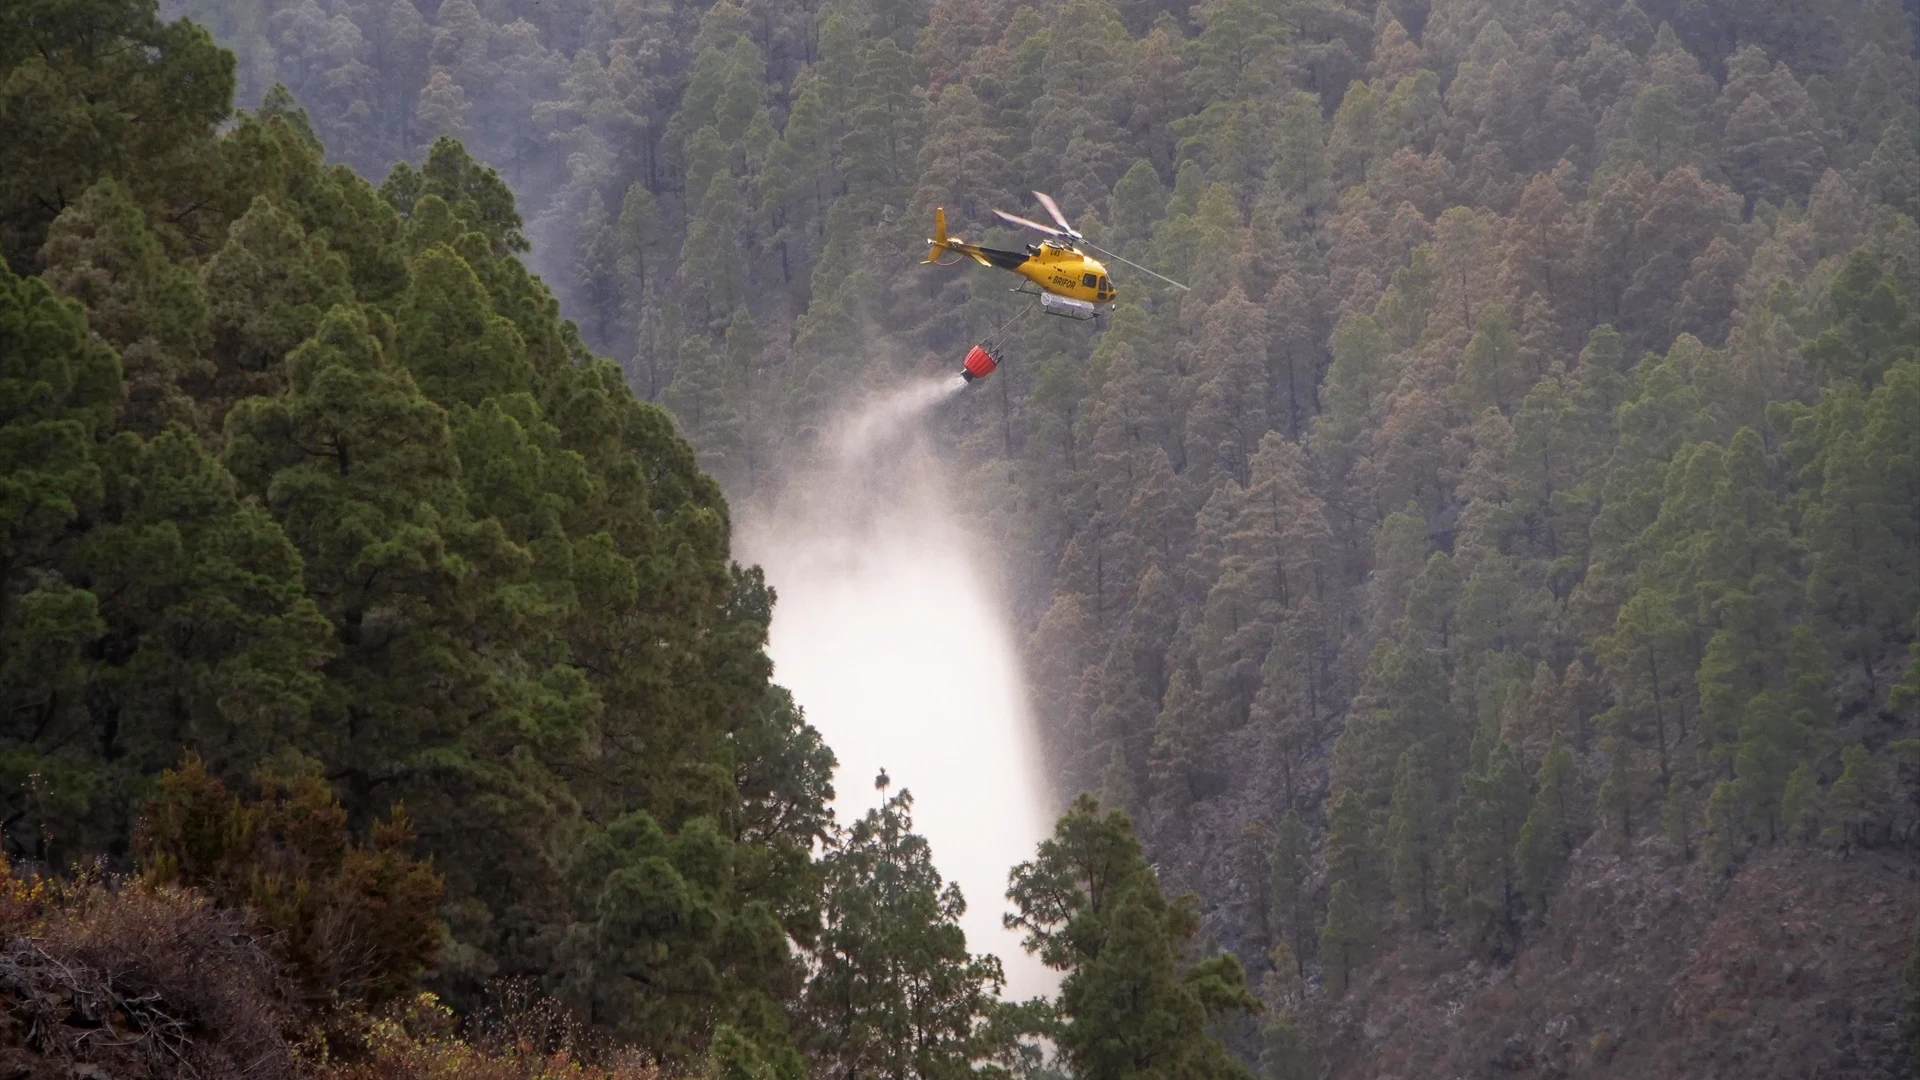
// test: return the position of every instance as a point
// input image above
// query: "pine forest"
(1471, 631)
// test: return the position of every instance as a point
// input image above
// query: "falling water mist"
(889, 632)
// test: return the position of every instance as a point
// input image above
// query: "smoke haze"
(889, 633)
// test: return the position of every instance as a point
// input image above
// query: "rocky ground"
(1789, 968)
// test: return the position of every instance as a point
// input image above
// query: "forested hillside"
(1493, 588)
(378, 697)
(313, 481)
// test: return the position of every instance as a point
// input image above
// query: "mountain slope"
(1525, 484)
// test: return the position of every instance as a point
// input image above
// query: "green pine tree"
(1131, 1005)
(1346, 938)
(1547, 837)
(97, 90)
(62, 389)
(150, 308)
(1482, 886)
(894, 991)
(1856, 803)
(1289, 923)
(1800, 805)
(1352, 856)
(1413, 835)
(1725, 839)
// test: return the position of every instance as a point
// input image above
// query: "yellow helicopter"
(1068, 281)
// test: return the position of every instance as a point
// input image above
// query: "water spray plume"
(890, 634)
(883, 417)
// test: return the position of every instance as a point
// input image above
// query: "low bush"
(522, 1038)
(129, 980)
(116, 978)
(354, 925)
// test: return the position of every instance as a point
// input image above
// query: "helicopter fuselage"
(1054, 267)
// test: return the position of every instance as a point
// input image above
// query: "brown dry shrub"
(131, 981)
(352, 923)
(521, 1038)
(143, 979)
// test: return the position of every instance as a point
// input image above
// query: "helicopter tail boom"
(940, 243)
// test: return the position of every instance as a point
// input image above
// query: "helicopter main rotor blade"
(1017, 220)
(1053, 208)
(1137, 266)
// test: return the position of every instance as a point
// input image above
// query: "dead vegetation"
(104, 979)
(109, 978)
(521, 1037)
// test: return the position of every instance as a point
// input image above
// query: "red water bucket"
(979, 364)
